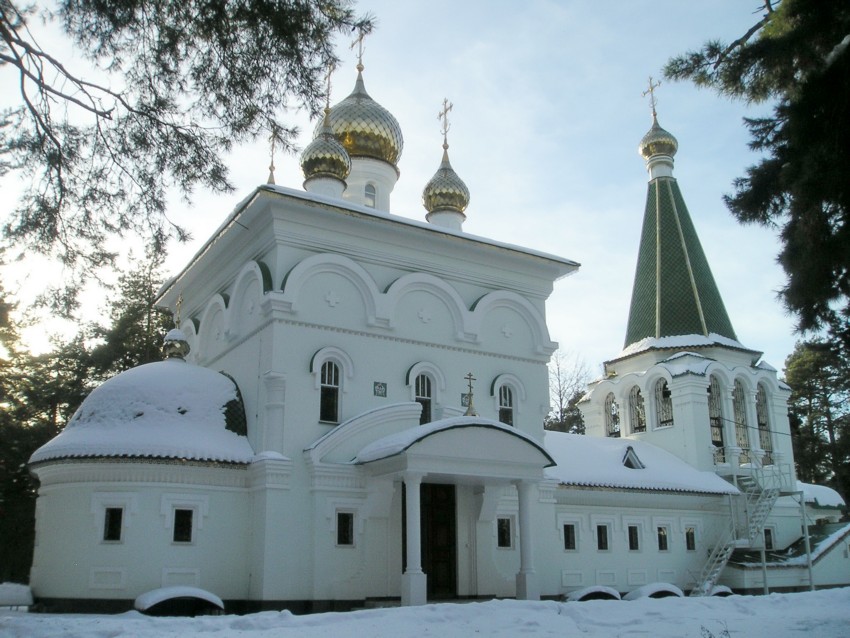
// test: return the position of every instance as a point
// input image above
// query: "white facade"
(353, 336)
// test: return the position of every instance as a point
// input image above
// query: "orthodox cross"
(358, 42)
(443, 116)
(271, 153)
(470, 408)
(653, 101)
(328, 83)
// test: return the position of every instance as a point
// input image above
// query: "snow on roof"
(820, 495)
(149, 599)
(680, 341)
(167, 409)
(598, 462)
(15, 595)
(399, 442)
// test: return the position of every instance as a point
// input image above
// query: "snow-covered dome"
(166, 409)
(364, 127)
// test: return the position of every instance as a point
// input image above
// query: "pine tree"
(172, 86)
(797, 57)
(820, 412)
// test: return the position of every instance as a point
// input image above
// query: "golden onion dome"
(445, 191)
(364, 127)
(325, 156)
(657, 141)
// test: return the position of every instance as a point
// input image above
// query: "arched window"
(637, 412)
(742, 437)
(764, 425)
(329, 399)
(370, 195)
(715, 419)
(663, 405)
(506, 405)
(612, 416)
(424, 397)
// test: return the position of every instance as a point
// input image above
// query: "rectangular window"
(183, 525)
(345, 529)
(602, 537)
(569, 536)
(503, 532)
(634, 541)
(690, 539)
(113, 517)
(662, 539)
(768, 538)
(329, 398)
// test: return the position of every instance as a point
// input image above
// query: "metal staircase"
(758, 497)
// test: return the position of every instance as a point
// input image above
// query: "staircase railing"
(760, 488)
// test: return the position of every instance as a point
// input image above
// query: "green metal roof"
(674, 291)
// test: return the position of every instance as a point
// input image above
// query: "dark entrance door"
(439, 538)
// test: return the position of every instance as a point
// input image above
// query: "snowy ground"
(824, 614)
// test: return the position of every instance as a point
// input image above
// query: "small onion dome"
(364, 127)
(657, 141)
(175, 345)
(324, 156)
(445, 191)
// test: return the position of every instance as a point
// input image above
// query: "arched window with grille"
(763, 419)
(663, 405)
(612, 416)
(637, 411)
(370, 195)
(329, 389)
(742, 436)
(506, 405)
(424, 397)
(715, 419)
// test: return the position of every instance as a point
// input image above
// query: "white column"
(414, 590)
(526, 579)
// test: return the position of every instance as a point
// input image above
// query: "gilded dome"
(364, 127)
(445, 191)
(657, 141)
(325, 156)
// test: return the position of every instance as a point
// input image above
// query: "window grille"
(715, 419)
(370, 195)
(764, 425)
(424, 397)
(742, 437)
(634, 541)
(329, 399)
(663, 404)
(690, 539)
(569, 536)
(612, 416)
(637, 412)
(506, 405)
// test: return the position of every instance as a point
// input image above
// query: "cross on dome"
(358, 42)
(443, 116)
(653, 101)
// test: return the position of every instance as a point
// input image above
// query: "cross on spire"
(331, 68)
(358, 42)
(272, 139)
(470, 408)
(653, 101)
(443, 116)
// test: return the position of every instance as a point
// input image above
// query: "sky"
(823, 614)
(548, 112)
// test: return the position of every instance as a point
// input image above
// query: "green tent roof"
(674, 291)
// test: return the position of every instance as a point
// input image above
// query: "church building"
(350, 411)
